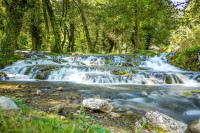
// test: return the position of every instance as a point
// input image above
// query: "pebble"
(113, 114)
(38, 92)
(18, 86)
(59, 88)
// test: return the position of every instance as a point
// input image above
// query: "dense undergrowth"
(8, 61)
(30, 121)
(187, 59)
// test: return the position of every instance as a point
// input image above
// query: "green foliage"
(7, 61)
(32, 121)
(187, 59)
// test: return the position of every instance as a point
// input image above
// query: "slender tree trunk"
(136, 26)
(97, 36)
(72, 39)
(46, 22)
(148, 41)
(103, 41)
(85, 27)
(56, 47)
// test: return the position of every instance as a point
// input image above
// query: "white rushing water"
(101, 69)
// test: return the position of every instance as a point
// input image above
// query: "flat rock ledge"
(7, 104)
(158, 122)
(98, 104)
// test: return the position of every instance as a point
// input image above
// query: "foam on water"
(94, 70)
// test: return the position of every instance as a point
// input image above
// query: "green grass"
(30, 121)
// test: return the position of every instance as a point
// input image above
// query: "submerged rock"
(58, 108)
(194, 127)
(7, 104)
(98, 104)
(155, 120)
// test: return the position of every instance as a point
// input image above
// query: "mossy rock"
(129, 60)
(120, 72)
(141, 68)
(27, 71)
(38, 76)
(168, 80)
(136, 63)
(134, 71)
(107, 61)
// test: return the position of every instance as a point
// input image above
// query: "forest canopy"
(97, 26)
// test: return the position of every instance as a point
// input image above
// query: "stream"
(136, 83)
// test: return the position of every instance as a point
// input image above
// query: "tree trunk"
(46, 22)
(136, 26)
(15, 11)
(148, 41)
(56, 47)
(72, 39)
(85, 27)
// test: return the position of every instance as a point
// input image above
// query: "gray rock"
(7, 104)
(161, 121)
(194, 127)
(144, 94)
(58, 108)
(98, 104)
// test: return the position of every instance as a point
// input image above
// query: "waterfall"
(100, 69)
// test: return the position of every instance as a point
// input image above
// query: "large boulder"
(7, 104)
(194, 127)
(98, 104)
(158, 122)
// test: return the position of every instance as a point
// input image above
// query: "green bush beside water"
(8, 61)
(187, 59)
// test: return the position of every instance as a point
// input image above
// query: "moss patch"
(107, 61)
(136, 63)
(134, 71)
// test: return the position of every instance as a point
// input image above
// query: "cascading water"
(159, 85)
(99, 69)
